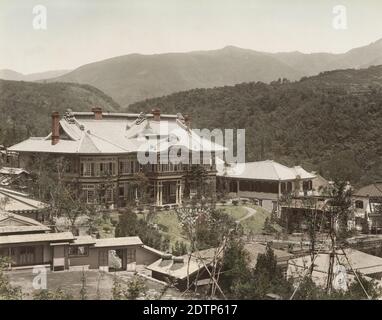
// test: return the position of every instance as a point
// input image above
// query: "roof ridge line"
(23, 201)
(106, 140)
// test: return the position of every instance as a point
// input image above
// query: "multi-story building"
(366, 203)
(111, 157)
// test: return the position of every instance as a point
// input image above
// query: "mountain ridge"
(135, 77)
(11, 75)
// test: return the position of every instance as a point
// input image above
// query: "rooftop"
(14, 201)
(117, 133)
(371, 190)
(262, 170)
(40, 237)
(364, 263)
(12, 171)
(177, 267)
(14, 223)
(116, 242)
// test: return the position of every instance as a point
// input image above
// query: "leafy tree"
(179, 248)
(117, 293)
(135, 287)
(130, 225)
(265, 278)
(83, 291)
(57, 294)
(131, 291)
(236, 271)
(309, 290)
(7, 291)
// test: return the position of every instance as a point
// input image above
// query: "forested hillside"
(25, 107)
(331, 123)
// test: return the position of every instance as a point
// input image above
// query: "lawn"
(168, 224)
(236, 212)
(255, 223)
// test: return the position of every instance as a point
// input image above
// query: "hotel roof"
(262, 170)
(364, 263)
(118, 242)
(117, 133)
(14, 201)
(40, 237)
(178, 267)
(14, 223)
(371, 190)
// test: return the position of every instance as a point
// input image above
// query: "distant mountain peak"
(131, 78)
(8, 74)
(231, 47)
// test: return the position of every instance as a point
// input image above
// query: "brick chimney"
(187, 121)
(55, 127)
(97, 113)
(156, 114)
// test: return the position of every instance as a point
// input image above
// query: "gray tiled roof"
(115, 134)
(40, 237)
(371, 190)
(263, 170)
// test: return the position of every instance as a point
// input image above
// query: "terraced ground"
(251, 217)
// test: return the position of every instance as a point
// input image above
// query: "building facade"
(28, 243)
(266, 182)
(113, 157)
(367, 205)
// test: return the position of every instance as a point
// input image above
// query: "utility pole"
(332, 254)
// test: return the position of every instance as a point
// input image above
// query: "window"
(87, 169)
(307, 185)
(107, 168)
(75, 251)
(126, 166)
(359, 204)
(89, 192)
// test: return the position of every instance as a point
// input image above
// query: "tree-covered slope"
(25, 107)
(331, 123)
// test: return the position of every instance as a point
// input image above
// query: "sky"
(83, 31)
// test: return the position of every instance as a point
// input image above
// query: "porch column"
(10, 258)
(180, 193)
(279, 188)
(161, 194)
(157, 193)
(238, 188)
